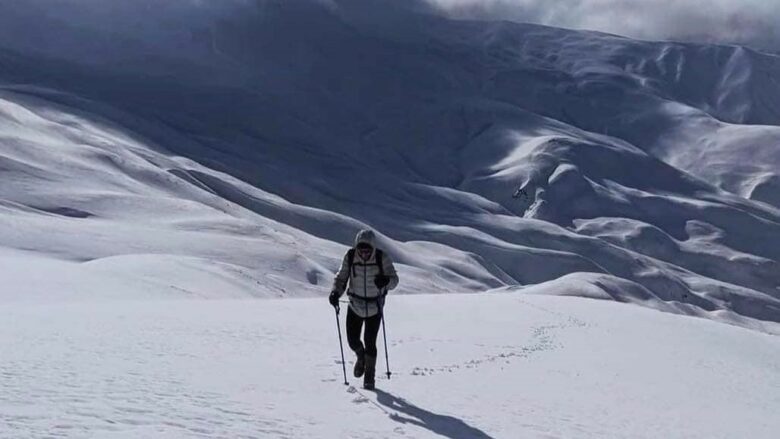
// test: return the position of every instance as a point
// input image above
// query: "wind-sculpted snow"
(238, 151)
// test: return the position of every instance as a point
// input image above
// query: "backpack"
(351, 264)
(377, 256)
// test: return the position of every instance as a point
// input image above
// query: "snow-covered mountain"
(154, 150)
(234, 149)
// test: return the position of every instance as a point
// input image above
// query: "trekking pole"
(341, 346)
(384, 336)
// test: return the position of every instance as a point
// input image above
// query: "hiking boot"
(368, 378)
(360, 365)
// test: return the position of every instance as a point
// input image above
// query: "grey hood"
(367, 237)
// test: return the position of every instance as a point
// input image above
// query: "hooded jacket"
(359, 283)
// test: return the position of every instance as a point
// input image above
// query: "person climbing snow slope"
(366, 274)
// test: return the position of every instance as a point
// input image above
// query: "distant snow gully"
(367, 274)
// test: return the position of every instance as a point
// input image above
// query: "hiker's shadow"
(408, 413)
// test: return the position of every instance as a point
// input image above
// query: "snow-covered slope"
(187, 149)
(235, 149)
(491, 366)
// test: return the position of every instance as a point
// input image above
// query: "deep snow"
(491, 365)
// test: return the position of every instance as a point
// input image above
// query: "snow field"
(493, 365)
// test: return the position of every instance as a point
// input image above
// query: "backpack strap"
(351, 261)
(365, 299)
(378, 256)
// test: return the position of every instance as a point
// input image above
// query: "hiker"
(366, 273)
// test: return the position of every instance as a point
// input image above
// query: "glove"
(381, 281)
(334, 298)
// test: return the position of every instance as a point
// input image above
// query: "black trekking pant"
(355, 325)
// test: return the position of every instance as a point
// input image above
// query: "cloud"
(751, 22)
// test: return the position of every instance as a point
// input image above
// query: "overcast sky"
(753, 22)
